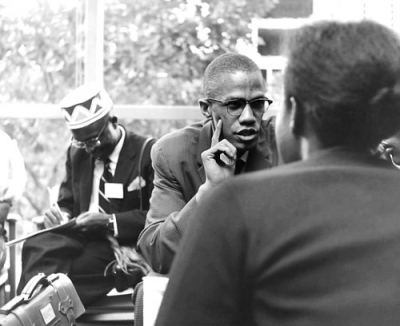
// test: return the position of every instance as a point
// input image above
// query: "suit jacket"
(76, 189)
(179, 172)
(311, 243)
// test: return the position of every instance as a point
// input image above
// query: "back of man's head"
(227, 63)
(347, 74)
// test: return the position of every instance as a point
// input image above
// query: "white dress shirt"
(98, 172)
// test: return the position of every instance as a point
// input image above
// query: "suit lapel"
(125, 162)
(125, 166)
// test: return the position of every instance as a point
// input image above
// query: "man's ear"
(296, 122)
(205, 108)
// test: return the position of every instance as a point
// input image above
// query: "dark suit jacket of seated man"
(85, 251)
(316, 241)
(188, 160)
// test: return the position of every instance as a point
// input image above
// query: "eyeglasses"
(235, 107)
(91, 143)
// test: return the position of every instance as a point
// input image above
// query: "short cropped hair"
(225, 63)
(348, 75)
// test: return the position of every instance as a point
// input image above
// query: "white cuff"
(115, 225)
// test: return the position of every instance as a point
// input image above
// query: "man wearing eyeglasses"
(107, 186)
(191, 162)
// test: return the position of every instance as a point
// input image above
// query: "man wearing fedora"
(108, 182)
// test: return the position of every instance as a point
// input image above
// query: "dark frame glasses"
(91, 143)
(235, 107)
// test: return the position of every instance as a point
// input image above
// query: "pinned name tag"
(114, 190)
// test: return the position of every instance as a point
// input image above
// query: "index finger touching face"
(217, 133)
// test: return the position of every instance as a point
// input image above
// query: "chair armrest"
(13, 218)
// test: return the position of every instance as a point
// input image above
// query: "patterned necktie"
(104, 202)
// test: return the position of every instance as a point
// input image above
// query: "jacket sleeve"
(167, 218)
(208, 283)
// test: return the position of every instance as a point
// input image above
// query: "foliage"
(157, 50)
(155, 53)
(37, 51)
(43, 145)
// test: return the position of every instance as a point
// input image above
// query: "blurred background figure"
(12, 181)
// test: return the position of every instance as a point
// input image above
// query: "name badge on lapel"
(114, 190)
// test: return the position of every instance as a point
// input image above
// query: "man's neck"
(310, 146)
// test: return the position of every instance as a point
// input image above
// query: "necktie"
(104, 202)
(239, 166)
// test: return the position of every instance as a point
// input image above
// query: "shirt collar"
(244, 157)
(117, 150)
